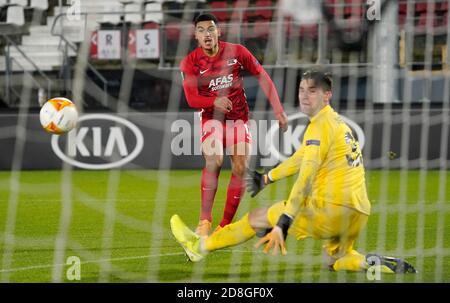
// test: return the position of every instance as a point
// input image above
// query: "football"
(58, 115)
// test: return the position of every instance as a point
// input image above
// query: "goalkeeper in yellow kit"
(328, 200)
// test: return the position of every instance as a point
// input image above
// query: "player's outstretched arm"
(252, 65)
(288, 167)
(257, 181)
(270, 91)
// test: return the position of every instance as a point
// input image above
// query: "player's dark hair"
(321, 79)
(205, 17)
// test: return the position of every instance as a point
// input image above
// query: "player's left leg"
(347, 224)
(354, 261)
(197, 247)
(238, 144)
(236, 186)
(186, 238)
(212, 150)
(351, 261)
(257, 222)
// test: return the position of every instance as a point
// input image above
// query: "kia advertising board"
(172, 140)
(95, 144)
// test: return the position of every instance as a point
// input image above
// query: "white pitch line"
(90, 261)
(427, 253)
(110, 260)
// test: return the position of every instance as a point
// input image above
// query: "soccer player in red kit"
(213, 82)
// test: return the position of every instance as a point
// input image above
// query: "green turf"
(141, 248)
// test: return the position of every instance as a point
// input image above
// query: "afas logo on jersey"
(221, 82)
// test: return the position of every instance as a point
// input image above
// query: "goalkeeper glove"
(256, 182)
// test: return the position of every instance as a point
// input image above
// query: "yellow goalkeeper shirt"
(329, 164)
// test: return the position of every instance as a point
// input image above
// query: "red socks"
(208, 189)
(235, 192)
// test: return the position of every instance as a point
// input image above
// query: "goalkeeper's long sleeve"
(302, 188)
(288, 167)
(311, 154)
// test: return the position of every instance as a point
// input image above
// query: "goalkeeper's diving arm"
(257, 181)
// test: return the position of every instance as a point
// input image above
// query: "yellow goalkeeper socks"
(353, 261)
(230, 235)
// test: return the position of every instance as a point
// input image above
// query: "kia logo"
(116, 142)
(292, 136)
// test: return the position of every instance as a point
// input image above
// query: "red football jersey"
(206, 78)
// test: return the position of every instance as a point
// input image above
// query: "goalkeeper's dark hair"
(205, 17)
(321, 78)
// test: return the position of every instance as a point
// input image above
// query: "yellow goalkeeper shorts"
(338, 225)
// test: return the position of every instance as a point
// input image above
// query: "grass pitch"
(117, 223)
